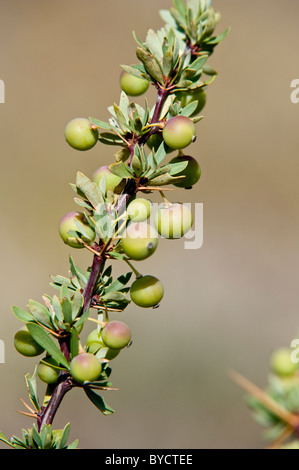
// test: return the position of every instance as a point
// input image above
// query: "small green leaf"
(67, 311)
(180, 20)
(181, 7)
(57, 308)
(110, 139)
(98, 401)
(167, 63)
(44, 340)
(113, 296)
(122, 121)
(153, 43)
(160, 171)
(165, 179)
(4, 439)
(82, 319)
(83, 203)
(219, 38)
(73, 445)
(151, 65)
(77, 271)
(77, 304)
(65, 435)
(21, 314)
(209, 70)
(136, 72)
(32, 388)
(137, 166)
(137, 39)
(89, 189)
(177, 167)
(116, 255)
(122, 155)
(165, 108)
(100, 124)
(58, 281)
(161, 153)
(120, 169)
(64, 292)
(168, 18)
(74, 343)
(124, 103)
(119, 283)
(199, 63)
(40, 313)
(189, 109)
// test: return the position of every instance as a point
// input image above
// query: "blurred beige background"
(226, 305)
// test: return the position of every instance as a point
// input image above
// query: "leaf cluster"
(46, 438)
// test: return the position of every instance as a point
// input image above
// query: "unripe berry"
(112, 180)
(80, 135)
(140, 241)
(94, 342)
(192, 171)
(154, 142)
(281, 363)
(133, 86)
(116, 335)
(26, 345)
(68, 223)
(46, 372)
(139, 209)
(147, 291)
(179, 132)
(85, 367)
(187, 97)
(173, 220)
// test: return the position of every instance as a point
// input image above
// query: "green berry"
(133, 86)
(94, 343)
(48, 370)
(112, 180)
(139, 209)
(26, 345)
(173, 220)
(147, 291)
(187, 97)
(85, 368)
(116, 335)
(154, 142)
(281, 363)
(80, 135)
(68, 223)
(140, 241)
(179, 132)
(191, 173)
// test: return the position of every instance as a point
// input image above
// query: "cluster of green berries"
(172, 220)
(84, 367)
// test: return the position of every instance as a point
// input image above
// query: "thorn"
(265, 399)
(27, 406)
(30, 415)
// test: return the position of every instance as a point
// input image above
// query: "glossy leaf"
(44, 340)
(32, 389)
(21, 314)
(98, 401)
